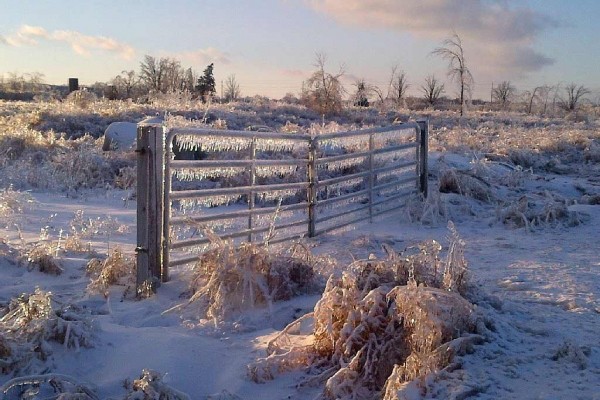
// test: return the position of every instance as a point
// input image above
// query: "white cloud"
(202, 57)
(499, 36)
(81, 44)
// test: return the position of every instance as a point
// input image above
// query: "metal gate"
(265, 186)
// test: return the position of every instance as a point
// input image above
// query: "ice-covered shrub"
(547, 209)
(150, 386)
(592, 152)
(40, 257)
(49, 385)
(33, 320)
(116, 269)
(464, 183)
(126, 178)
(14, 202)
(379, 324)
(81, 98)
(229, 279)
(571, 352)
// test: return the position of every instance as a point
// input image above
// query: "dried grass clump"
(545, 210)
(116, 269)
(8, 253)
(33, 320)
(228, 279)
(126, 178)
(82, 98)
(592, 152)
(40, 258)
(150, 386)
(464, 183)
(14, 202)
(83, 166)
(380, 324)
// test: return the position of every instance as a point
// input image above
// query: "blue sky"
(270, 45)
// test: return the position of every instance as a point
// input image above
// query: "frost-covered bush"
(229, 279)
(150, 386)
(14, 202)
(40, 258)
(547, 209)
(461, 182)
(381, 324)
(31, 322)
(116, 269)
(81, 98)
(49, 385)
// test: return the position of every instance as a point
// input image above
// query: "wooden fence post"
(312, 186)
(150, 209)
(141, 250)
(423, 155)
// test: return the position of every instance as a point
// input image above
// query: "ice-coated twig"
(39, 379)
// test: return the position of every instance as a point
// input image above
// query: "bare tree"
(432, 90)
(399, 87)
(452, 50)
(396, 89)
(152, 73)
(503, 93)
(540, 96)
(323, 91)
(16, 82)
(162, 75)
(125, 84)
(35, 81)
(574, 96)
(232, 89)
(531, 96)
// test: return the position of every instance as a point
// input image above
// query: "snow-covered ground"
(538, 283)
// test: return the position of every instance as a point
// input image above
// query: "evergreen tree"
(206, 84)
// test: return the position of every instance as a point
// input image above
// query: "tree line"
(167, 75)
(324, 91)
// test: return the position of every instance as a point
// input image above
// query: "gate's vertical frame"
(312, 186)
(423, 155)
(251, 198)
(371, 175)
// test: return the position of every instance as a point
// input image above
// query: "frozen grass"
(381, 324)
(228, 280)
(382, 328)
(116, 269)
(150, 386)
(28, 325)
(14, 202)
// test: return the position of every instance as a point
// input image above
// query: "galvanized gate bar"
(156, 167)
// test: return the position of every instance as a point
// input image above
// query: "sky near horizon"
(270, 45)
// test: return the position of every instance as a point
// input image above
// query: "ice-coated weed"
(14, 202)
(150, 386)
(547, 209)
(116, 269)
(229, 279)
(48, 384)
(40, 257)
(33, 320)
(380, 324)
